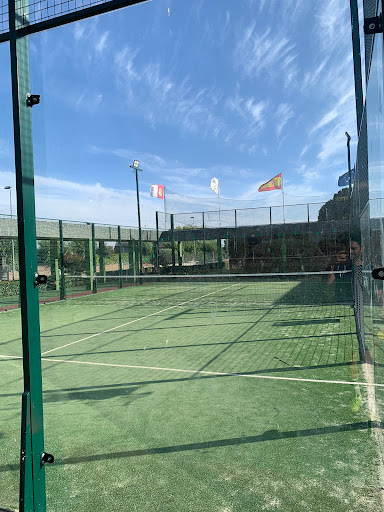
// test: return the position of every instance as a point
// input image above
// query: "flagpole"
(282, 190)
(165, 212)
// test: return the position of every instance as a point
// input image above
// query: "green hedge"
(9, 288)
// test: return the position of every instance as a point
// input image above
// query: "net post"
(204, 246)
(173, 243)
(62, 268)
(120, 256)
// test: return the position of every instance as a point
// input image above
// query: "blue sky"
(240, 90)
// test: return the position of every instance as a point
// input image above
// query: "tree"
(336, 208)
(43, 252)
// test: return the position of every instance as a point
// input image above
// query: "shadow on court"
(269, 435)
(67, 393)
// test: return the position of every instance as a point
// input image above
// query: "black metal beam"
(64, 19)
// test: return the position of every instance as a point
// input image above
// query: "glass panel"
(226, 368)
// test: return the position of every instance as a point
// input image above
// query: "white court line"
(203, 372)
(136, 320)
(215, 373)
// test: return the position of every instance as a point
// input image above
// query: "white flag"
(214, 185)
(157, 191)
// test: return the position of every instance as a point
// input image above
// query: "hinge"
(40, 279)
(378, 273)
(47, 458)
(373, 25)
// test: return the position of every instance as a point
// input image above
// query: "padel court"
(242, 392)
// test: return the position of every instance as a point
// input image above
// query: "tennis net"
(243, 290)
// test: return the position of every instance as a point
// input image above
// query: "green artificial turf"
(161, 439)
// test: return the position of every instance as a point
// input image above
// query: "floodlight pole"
(135, 166)
(8, 187)
(349, 163)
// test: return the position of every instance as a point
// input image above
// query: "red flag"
(273, 184)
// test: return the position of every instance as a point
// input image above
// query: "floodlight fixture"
(136, 164)
(8, 187)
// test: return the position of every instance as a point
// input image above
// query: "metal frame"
(32, 458)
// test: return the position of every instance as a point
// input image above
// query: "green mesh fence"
(296, 238)
(72, 255)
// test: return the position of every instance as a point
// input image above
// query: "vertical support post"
(284, 253)
(157, 242)
(349, 163)
(57, 275)
(173, 243)
(138, 215)
(94, 273)
(357, 63)
(204, 246)
(89, 259)
(180, 253)
(102, 259)
(308, 212)
(120, 256)
(53, 261)
(154, 256)
(132, 258)
(137, 264)
(131, 251)
(219, 256)
(236, 252)
(62, 269)
(32, 490)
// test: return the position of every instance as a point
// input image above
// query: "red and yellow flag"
(273, 184)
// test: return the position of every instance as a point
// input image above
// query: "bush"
(74, 263)
(9, 288)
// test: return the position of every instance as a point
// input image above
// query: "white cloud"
(283, 114)
(248, 109)
(268, 54)
(91, 202)
(79, 30)
(88, 100)
(5, 149)
(330, 29)
(304, 150)
(102, 42)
